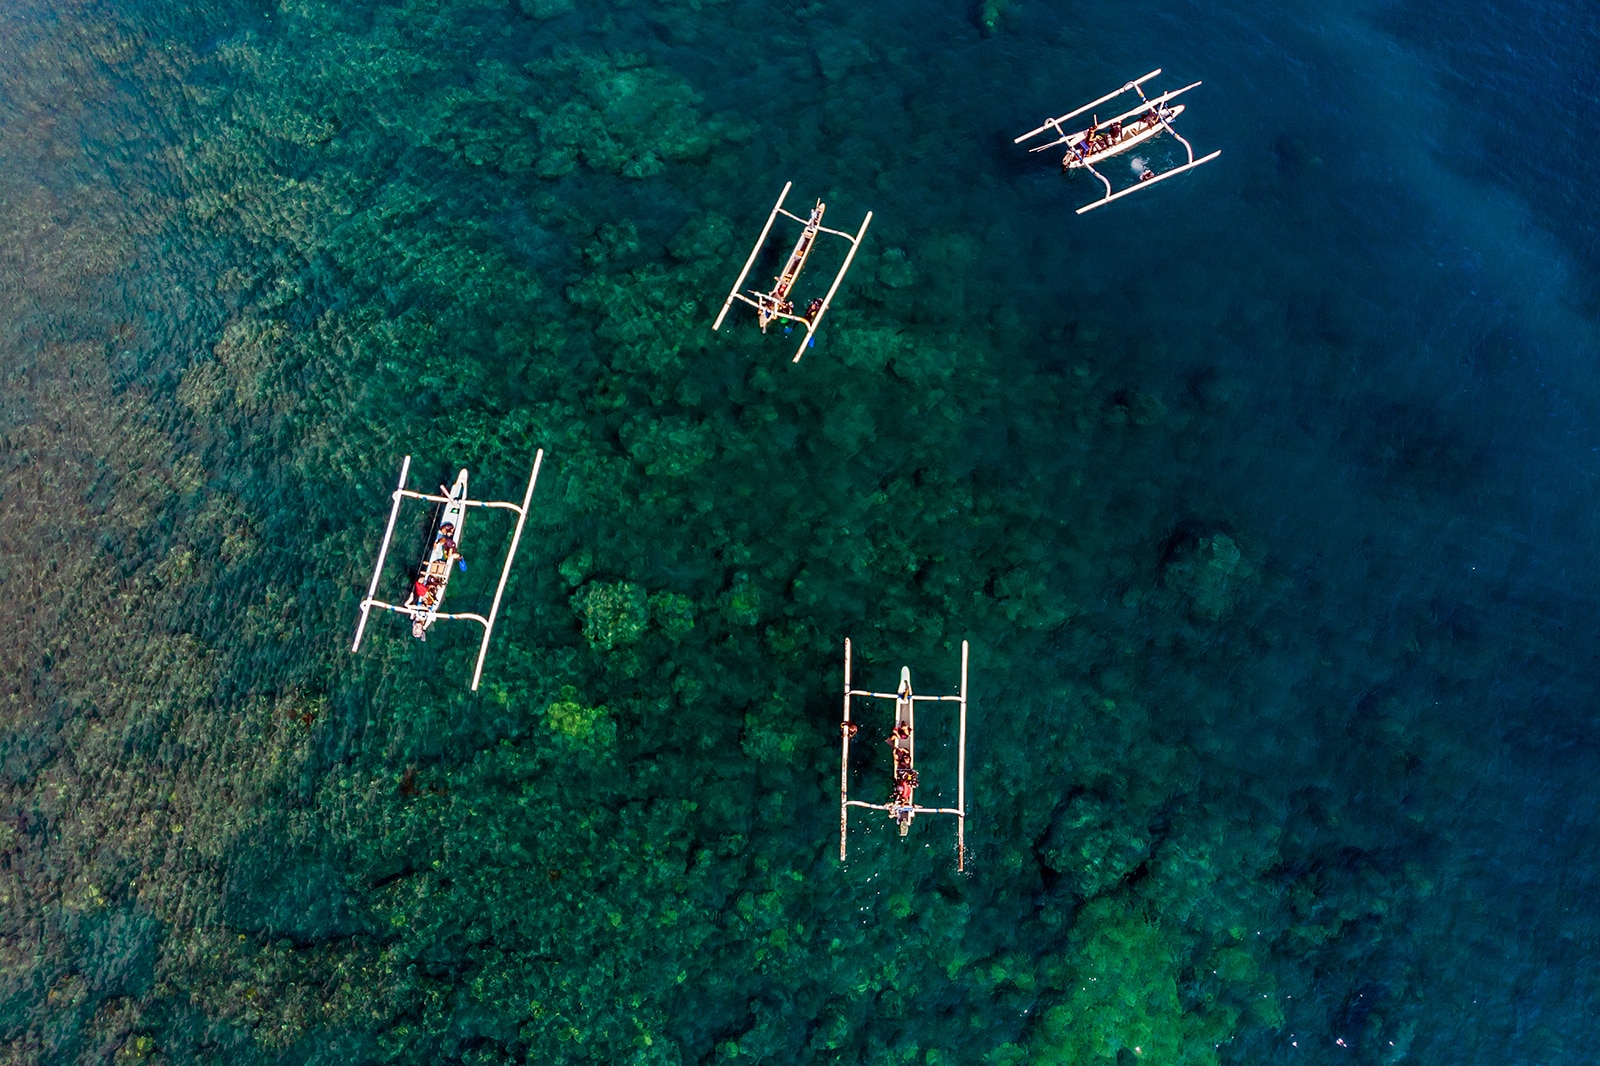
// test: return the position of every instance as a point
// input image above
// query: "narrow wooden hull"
(776, 302)
(1133, 134)
(436, 566)
(902, 811)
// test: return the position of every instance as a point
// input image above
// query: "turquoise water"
(1265, 498)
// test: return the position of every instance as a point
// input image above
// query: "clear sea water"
(1266, 498)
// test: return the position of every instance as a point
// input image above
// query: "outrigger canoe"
(433, 574)
(902, 806)
(1133, 127)
(778, 303)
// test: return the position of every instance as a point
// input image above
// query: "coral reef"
(465, 231)
(612, 612)
(1209, 573)
(989, 13)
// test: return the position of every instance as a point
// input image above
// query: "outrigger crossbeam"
(1088, 146)
(902, 806)
(424, 614)
(776, 304)
(1055, 123)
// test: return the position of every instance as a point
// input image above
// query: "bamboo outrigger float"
(776, 303)
(1100, 141)
(902, 805)
(423, 603)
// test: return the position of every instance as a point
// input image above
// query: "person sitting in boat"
(1114, 132)
(901, 732)
(812, 308)
(1152, 118)
(902, 758)
(902, 794)
(419, 590)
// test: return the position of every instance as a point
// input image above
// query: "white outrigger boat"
(423, 604)
(1100, 141)
(776, 303)
(902, 805)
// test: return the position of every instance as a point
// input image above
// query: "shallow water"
(1265, 497)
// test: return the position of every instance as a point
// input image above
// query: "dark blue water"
(1266, 498)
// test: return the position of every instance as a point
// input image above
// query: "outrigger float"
(902, 805)
(777, 303)
(1100, 141)
(423, 603)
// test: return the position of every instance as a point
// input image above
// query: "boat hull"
(772, 304)
(436, 565)
(1133, 135)
(904, 719)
